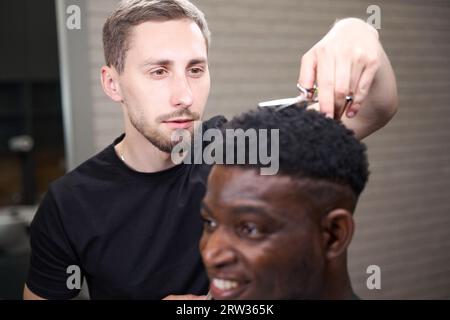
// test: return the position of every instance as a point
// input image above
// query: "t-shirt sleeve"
(53, 261)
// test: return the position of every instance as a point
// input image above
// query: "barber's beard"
(155, 136)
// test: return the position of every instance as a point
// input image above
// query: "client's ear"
(337, 228)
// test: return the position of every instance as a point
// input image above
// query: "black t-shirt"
(133, 235)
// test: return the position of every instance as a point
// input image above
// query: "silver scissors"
(306, 98)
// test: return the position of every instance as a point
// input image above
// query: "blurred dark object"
(30, 101)
(28, 39)
(23, 146)
(14, 250)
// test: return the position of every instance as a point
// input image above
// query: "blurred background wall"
(403, 218)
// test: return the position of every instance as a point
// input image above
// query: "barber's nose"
(218, 251)
(181, 93)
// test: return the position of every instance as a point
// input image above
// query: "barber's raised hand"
(344, 63)
(185, 297)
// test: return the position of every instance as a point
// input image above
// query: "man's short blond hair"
(130, 13)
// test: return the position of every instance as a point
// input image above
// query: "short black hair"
(311, 146)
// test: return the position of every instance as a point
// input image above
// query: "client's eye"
(250, 230)
(209, 224)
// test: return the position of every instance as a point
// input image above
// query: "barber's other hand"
(184, 297)
(343, 63)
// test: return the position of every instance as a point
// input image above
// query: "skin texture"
(264, 233)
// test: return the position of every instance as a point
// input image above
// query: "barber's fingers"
(356, 72)
(338, 77)
(314, 106)
(363, 85)
(185, 297)
(308, 69)
(326, 82)
(342, 84)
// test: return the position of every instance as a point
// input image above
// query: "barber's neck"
(140, 154)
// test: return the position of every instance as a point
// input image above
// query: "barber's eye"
(196, 72)
(158, 72)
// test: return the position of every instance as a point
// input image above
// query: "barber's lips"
(227, 288)
(179, 123)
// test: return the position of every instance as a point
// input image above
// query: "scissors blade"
(279, 102)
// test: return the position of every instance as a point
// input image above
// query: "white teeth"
(225, 284)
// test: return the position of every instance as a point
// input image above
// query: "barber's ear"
(337, 227)
(110, 83)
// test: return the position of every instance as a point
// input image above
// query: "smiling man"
(285, 236)
(128, 217)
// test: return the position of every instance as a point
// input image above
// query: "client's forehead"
(233, 181)
(233, 185)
